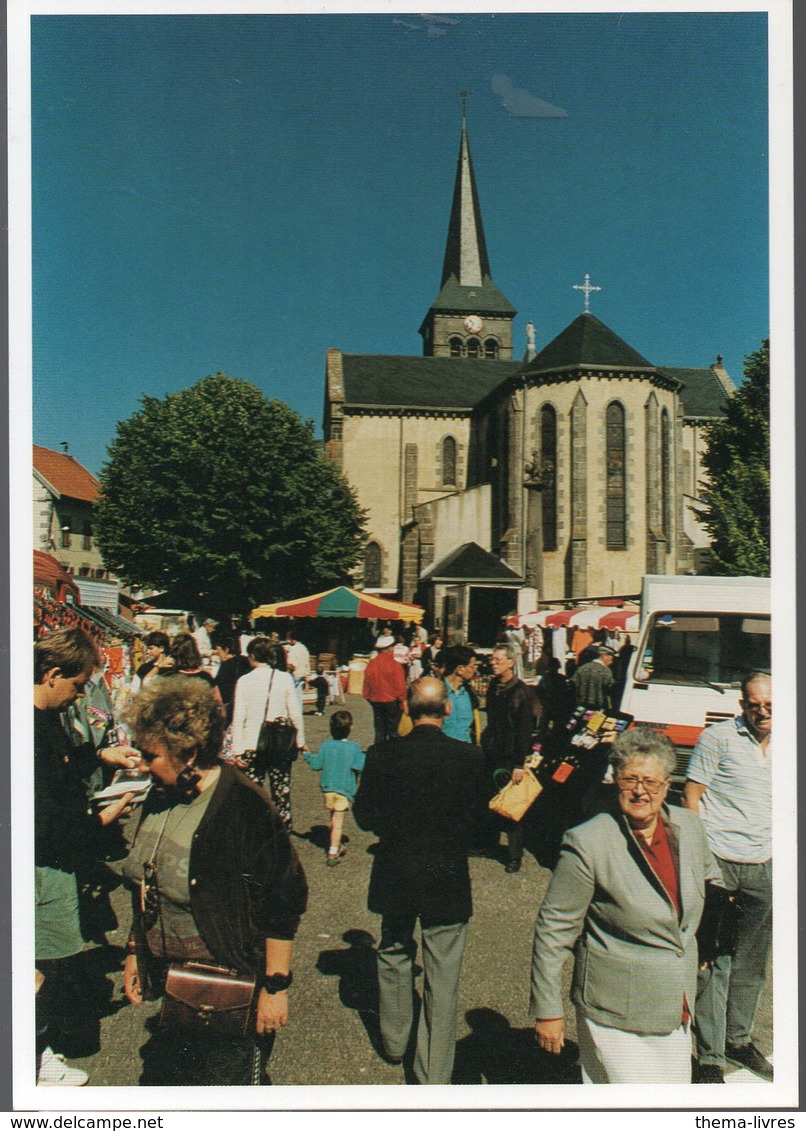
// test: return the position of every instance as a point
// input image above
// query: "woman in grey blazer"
(626, 897)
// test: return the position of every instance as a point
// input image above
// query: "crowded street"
(332, 1037)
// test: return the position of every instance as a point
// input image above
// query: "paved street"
(332, 1037)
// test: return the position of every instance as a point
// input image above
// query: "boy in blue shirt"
(340, 761)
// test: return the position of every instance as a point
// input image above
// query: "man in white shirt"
(203, 635)
(298, 659)
(730, 786)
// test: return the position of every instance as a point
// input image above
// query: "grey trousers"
(728, 992)
(443, 946)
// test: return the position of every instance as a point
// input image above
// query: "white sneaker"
(54, 1073)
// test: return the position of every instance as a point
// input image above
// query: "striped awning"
(342, 602)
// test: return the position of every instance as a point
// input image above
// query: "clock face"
(473, 324)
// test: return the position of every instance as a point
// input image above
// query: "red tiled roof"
(48, 571)
(66, 474)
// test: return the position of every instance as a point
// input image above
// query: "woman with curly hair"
(216, 881)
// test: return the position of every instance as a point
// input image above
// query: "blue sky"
(239, 193)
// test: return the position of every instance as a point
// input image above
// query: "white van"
(698, 637)
(169, 621)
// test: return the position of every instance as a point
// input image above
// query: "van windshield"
(702, 647)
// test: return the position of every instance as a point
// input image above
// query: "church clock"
(473, 324)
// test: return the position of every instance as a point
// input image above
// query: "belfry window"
(449, 462)
(473, 347)
(615, 483)
(455, 347)
(372, 566)
(491, 348)
(548, 468)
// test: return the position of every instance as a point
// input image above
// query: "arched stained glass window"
(372, 566)
(548, 458)
(615, 488)
(449, 462)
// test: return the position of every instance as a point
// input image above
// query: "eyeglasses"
(630, 783)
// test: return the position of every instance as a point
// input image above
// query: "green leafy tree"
(737, 494)
(225, 500)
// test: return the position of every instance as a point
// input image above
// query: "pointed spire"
(466, 251)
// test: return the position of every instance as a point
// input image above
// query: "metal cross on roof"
(587, 288)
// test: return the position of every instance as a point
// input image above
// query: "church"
(492, 482)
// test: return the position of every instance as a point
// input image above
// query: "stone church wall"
(395, 461)
(582, 564)
(456, 519)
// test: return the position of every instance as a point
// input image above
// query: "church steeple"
(466, 250)
(469, 317)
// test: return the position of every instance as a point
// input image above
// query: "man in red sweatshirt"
(385, 690)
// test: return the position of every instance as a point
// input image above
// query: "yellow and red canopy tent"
(341, 602)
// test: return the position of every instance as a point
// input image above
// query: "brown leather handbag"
(199, 996)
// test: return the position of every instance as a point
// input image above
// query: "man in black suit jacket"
(418, 794)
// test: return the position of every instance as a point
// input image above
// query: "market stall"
(566, 632)
(599, 616)
(345, 614)
(57, 604)
(342, 602)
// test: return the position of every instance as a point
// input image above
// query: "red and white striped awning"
(587, 616)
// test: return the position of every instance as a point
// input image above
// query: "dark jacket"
(246, 882)
(507, 738)
(418, 794)
(67, 834)
(228, 674)
(557, 697)
(592, 684)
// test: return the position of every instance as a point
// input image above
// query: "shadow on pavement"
(357, 972)
(318, 836)
(79, 992)
(495, 1053)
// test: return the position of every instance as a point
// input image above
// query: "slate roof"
(471, 562)
(703, 394)
(462, 383)
(587, 342)
(424, 382)
(486, 299)
(66, 475)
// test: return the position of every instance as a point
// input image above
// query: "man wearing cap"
(385, 689)
(593, 682)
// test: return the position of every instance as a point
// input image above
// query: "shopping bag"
(516, 797)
